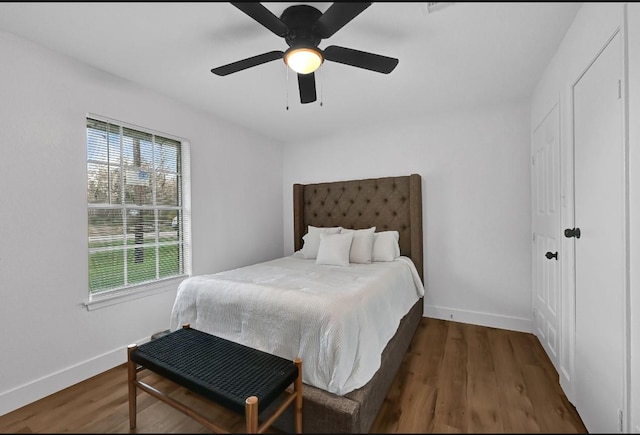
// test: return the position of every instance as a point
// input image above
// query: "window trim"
(127, 294)
(115, 296)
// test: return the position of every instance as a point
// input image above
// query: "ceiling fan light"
(303, 60)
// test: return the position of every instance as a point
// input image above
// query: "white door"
(546, 233)
(599, 189)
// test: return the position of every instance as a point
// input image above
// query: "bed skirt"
(356, 411)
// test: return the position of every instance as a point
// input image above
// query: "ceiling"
(460, 56)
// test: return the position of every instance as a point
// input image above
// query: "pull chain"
(321, 85)
(287, 87)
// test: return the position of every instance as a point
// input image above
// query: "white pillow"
(362, 245)
(334, 249)
(386, 246)
(312, 239)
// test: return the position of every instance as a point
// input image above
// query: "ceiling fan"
(303, 27)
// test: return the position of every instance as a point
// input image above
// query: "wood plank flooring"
(469, 379)
(454, 378)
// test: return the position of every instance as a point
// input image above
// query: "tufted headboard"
(389, 203)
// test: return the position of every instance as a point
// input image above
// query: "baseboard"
(519, 324)
(37, 389)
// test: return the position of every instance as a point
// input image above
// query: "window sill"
(132, 293)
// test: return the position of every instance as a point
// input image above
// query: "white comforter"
(337, 319)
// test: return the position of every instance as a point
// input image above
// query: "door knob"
(572, 232)
(551, 255)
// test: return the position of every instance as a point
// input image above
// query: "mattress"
(337, 319)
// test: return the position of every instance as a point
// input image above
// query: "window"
(136, 211)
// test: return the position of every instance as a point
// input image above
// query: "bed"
(367, 336)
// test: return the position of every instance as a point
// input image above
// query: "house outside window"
(137, 192)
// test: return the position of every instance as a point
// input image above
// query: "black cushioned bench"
(240, 378)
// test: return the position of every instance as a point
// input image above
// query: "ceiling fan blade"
(360, 59)
(337, 16)
(263, 16)
(307, 86)
(247, 63)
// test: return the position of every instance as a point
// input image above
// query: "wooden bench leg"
(297, 388)
(251, 413)
(132, 375)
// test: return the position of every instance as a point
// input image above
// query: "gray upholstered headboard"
(389, 203)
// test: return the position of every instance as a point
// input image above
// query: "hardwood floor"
(454, 378)
(465, 378)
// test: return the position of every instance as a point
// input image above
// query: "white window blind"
(136, 213)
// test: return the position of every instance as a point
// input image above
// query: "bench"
(240, 378)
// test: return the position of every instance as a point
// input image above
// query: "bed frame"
(389, 203)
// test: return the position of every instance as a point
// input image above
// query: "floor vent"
(432, 7)
(160, 334)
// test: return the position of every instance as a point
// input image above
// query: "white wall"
(593, 26)
(48, 341)
(475, 170)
